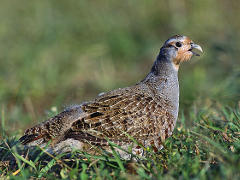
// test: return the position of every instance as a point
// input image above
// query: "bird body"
(147, 111)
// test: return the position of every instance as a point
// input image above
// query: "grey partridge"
(146, 111)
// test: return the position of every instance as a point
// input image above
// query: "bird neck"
(164, 78)
(164, 67)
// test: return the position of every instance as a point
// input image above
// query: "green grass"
(208, 149)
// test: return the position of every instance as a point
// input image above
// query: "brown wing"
(110, 115)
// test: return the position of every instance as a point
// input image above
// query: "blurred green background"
(57, 53)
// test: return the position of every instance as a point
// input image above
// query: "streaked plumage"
(146, 111)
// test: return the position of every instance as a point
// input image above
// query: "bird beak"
(195, 46)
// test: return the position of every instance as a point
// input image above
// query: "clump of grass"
(208, 149)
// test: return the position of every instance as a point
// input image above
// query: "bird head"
(179, 49)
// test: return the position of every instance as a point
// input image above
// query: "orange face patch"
(183, 53)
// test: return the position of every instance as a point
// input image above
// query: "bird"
(146, 111)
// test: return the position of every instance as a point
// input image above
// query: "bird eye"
(178, 44)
